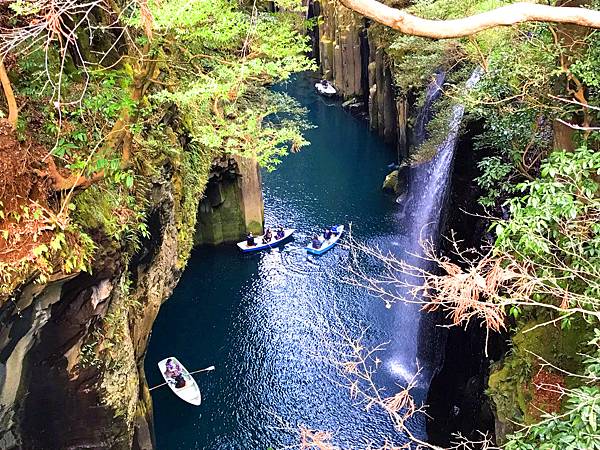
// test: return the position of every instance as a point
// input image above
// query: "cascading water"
(431, 179)
(421, 220)
(433, 92)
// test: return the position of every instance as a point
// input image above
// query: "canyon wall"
(72, 350)
(352, 55)
(233, 204)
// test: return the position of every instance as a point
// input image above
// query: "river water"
(263, 319)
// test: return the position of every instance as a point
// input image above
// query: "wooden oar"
(191, 373)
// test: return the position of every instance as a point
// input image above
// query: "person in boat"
(179, 381)
(327, 234)
(250, 240)
(267, 236)
(172, 368)
(174, 371)
(280, 233)
(334, 230)
(316, 242)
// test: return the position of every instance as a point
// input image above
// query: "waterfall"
(429, 181)
(432, 93)
(422, 219)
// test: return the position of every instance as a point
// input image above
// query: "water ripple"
(270, 321)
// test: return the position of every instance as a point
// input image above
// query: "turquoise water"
(263, 319)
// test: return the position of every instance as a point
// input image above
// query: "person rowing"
(327, 234)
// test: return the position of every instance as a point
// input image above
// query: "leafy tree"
(118, 91)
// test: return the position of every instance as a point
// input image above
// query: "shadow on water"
(262, 319)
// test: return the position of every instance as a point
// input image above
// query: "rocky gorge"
(51, 336)
(73, 340)
(73, 348)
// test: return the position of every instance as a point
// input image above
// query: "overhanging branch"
(445, 29)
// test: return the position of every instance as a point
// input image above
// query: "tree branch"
(13, 111)
(444, 29)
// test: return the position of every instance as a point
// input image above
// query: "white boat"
(260, 245)
(190, 392)
(326, 244)
(325, 88)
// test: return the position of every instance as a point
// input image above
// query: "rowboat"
(190, 392)
(244, 247)
(326, 244)
(325, 88)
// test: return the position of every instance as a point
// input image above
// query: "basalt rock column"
(233, 204)
(340, 47)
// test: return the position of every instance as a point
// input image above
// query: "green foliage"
(553, 231)
(414, 59)
(68, 250)
(452, 9)
(512, 97)
(206, 94)
(260, 124)
(110, 206)
(578, 429)
(587, 66)
(224, 101)
(556, 216)
(495, 179)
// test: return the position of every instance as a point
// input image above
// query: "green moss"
(509, 384)
(190, 185)
(115, 209)
(255, 227)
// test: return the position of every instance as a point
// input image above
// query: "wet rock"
(391, 183)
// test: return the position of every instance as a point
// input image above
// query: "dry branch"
(13, 111)
(445, 29)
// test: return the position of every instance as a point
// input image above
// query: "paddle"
(191, 373)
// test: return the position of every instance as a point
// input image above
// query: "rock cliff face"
(352, 56)
(72, 350)
(233, 204)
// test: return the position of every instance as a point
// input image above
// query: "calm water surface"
(262, 319)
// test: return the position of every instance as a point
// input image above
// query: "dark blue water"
(266, 321)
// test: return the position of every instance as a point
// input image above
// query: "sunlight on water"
(267, 321)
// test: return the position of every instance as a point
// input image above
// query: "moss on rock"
(510, 383)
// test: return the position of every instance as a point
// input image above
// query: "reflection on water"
(262, 319)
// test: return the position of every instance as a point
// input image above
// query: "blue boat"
(244, 247)
(326, 244)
